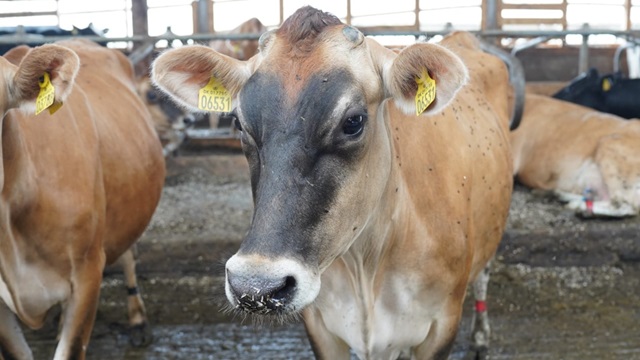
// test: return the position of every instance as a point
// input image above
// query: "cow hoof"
(480, 353)
(140, 335)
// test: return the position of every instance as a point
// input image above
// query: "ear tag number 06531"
(426, 92)
(46, 96)
(214, 97)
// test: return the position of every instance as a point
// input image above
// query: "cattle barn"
(348, 179)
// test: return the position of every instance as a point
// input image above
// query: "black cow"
(45, 31)
(611, 93)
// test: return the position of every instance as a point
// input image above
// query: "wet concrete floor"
(561, 287)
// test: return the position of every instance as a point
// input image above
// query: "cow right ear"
(60, 65)
(183, 72)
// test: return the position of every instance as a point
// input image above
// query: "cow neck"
(15, 177)
(371, 249)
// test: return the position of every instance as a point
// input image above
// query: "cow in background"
(612, 93)
(42, 32)
(169, 119)
(79, 187)
(240, 49)
(369, 220)
(588, 158)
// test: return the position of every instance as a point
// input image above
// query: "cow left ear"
(424, 78)
(60, 65)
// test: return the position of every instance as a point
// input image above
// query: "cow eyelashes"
(235, 120)
(237, 124)
(353, 125)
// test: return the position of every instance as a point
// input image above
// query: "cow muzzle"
(269, 287)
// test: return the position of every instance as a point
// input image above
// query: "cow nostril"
(286, 291)
(262, 295)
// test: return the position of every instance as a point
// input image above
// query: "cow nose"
(261, 294)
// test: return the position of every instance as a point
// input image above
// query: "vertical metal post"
(583, 60)
(491, 15)
(140, 17)
(202, 16)
(348, 19)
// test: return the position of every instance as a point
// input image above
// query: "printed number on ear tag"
(214, 97)
(46, 96)
(426, 92)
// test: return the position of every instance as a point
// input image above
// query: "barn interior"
(563, 286)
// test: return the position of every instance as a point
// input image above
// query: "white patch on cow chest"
(37, 289)
(376, 328)
(5, 295)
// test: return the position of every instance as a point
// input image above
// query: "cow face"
(19, 85)
(318, 145)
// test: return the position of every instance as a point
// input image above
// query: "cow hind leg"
(13, 345)
(139, 329)
(481, 331)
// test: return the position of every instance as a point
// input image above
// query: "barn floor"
(562, 288)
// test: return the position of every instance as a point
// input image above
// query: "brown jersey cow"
(78, 187)
(584, 156)
(369, 220)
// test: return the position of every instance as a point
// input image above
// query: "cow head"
(19, 85)
(316, 139)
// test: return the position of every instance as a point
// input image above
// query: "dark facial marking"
(299, 158)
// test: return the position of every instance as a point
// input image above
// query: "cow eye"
(152, 97)
(234, 119)
(353, 125)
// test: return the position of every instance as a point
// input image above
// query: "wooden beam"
(519, 21)
(535, 6)
(627, 9)
(416, 22)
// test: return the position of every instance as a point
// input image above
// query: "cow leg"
(481, 331)
(441, 336)
(79, 311)
(12, 342)
(140, 332)
(325, 345)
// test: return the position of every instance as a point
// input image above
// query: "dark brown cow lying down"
(369, 220)
(588, 158)
(78, 188)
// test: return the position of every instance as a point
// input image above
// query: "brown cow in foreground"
(79, 187)
(586, 157)
(369, 220)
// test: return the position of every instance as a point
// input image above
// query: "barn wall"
(561, 64)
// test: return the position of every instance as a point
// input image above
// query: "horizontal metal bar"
(33, 13)
(206, 37)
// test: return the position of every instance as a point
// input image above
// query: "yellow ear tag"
(214, 97)
(606, 84)
(426, 92)
(46, 96)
